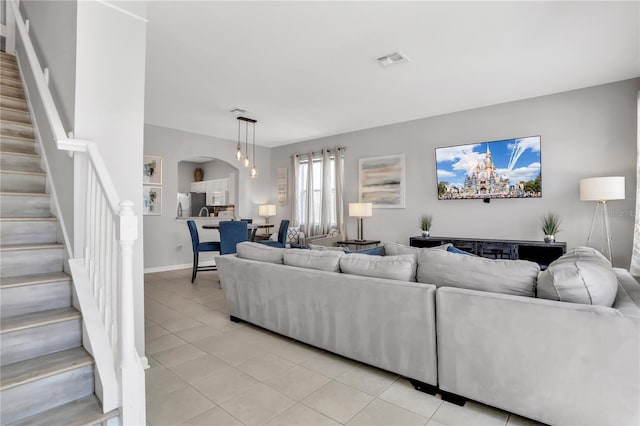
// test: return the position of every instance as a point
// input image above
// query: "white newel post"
(132, 376)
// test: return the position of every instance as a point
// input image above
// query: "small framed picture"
(152, 170)
(151, 200)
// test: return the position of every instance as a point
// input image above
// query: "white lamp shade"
(360, 209)
(267, 210)
(602, 188)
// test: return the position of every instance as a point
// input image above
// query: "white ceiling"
(306, 70)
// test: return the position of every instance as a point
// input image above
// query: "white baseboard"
(176, 267)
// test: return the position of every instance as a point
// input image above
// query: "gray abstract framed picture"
(382, 181)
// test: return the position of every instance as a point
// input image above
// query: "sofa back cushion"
(582, 275)
(394, 249)
(259, 252)
(325, 260)
(442, 268)
(401, 267)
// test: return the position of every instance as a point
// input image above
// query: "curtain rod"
(342, 148)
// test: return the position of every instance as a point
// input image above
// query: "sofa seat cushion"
(259, 252)
(582, 275)
(325, 260)
(442, 268)
(401, 267)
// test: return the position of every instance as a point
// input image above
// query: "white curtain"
(318, 190)
(635, 256)
(339, 183)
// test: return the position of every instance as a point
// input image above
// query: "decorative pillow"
(394, 249)
(292, 234)
(452, 249)
(442, 268)
(326, 260)
(321, 248)
(401, 267)
(375, 251)
(260, 252)
(582, 275)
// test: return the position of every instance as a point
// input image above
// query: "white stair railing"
(101, 260)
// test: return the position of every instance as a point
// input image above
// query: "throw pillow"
(292, 234)
(452, 249)
(259, 252)
(442, 268)
(375, 251)
(402, 267)
(582, 275)
(321, 248)
(327, 260)
(394, 249)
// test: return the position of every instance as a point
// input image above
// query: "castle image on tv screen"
(500, 169)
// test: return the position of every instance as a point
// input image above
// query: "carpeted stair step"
(15, 115)
(28, 230)
(13, 92)
(16, 128)
(15, 204)
(9, 143)
(10, 82)
(34, 293)
(19, 181)
(12, 102)
(30, 259)
(20, 161)
(86, 411)
(27, 336)
(47, 382)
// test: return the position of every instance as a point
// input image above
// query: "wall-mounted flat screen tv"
(508, 168)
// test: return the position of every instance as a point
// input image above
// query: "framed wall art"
(382, 181)
(151, 200)
(152, 170)
(282, 186)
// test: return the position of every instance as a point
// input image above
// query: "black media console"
(536, 251)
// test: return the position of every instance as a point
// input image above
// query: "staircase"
(46, 376)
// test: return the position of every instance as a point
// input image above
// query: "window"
(316, 206)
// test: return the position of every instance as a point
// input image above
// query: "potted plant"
(425, 224)
(550, 224)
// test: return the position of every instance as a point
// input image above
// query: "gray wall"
(53, 32)
(217, 169)
(185, 175)
(585, 133)
(167, 244)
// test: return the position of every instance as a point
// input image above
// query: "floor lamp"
(601, 190)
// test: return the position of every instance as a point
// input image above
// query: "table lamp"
(267, 210)
(360, 210)
(601, 190)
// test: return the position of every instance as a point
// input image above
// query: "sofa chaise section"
(385, 323)
(555, 362)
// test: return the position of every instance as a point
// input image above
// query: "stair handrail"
(104, 285)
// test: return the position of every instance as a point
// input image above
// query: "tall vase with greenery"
(550, 224)
(425, 224)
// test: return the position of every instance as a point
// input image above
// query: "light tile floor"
(207, 370)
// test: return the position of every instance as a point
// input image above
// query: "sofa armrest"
(558, 363)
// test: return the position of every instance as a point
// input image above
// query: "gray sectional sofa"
(564, 359)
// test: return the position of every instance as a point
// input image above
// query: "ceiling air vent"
(239, 111)
(392, 59)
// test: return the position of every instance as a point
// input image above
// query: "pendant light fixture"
(245, 158)
(254, 172)
(239, 148)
